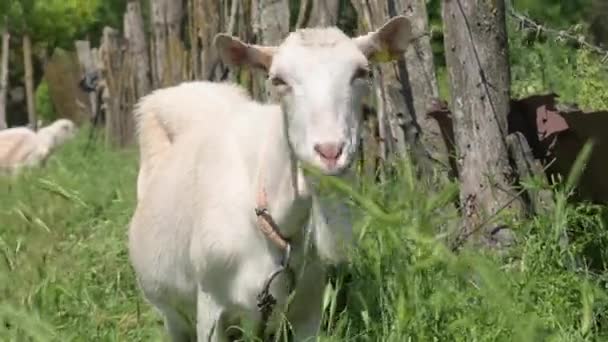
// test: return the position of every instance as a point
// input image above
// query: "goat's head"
(320, 76)
(58, 132)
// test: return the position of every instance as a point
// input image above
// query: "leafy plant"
(44, 105)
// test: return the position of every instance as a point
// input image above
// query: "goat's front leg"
(209, 325)
(305, 310)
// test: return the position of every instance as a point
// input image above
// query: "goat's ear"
(233, 51)
(387, 43)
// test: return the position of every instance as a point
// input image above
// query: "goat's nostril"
(329, 151)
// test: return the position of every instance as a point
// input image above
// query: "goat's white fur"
(206, 149)
(22, 147)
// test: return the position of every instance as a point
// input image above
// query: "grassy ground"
(64, 273)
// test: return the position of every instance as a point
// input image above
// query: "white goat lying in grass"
(22, 147)
(210, 156)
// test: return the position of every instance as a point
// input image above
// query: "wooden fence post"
(119, 94)
(137, 47)
(478, 64)
(4, 76)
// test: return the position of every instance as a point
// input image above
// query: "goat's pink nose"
(329, 152)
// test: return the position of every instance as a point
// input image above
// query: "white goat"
(210, 155)
(22, 147)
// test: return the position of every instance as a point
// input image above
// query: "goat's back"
(17, 146)
(170, 113)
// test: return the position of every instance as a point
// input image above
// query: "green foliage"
(44, 105)
(406, 285)
(75, 16)
(110, 13)
(542, 65)
(65, 275)
(59, 22)
(560, 14)
(51, 21)
(593, 76)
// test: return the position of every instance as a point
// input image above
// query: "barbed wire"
(527, 23)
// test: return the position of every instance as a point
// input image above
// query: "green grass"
(64, 272)
(65, 276)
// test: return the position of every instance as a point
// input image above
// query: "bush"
(44, 105)
(544, 65)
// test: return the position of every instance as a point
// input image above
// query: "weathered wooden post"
(29, 81)
(419, 84)
(119, 94)
(478, 64)
(323, 13)
(137, 47)
(207, 21)
(270, 26)
(167, 48)
(402, 90)
(87, 67)
(4, 75)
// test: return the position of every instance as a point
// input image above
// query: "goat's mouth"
(337, 167)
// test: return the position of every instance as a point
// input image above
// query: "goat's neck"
(289, 199)
(45, 138)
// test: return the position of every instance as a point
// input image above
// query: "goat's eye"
(361, 74)
(277, 81)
